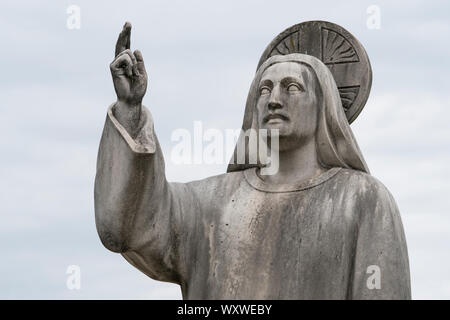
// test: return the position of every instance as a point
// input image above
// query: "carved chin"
(280, 129)
(277, 124)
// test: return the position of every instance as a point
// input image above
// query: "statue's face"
(287, 102)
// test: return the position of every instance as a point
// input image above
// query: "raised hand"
(130, 80)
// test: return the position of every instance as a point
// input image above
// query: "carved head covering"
(336, 145)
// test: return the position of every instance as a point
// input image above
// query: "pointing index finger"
(123, 41)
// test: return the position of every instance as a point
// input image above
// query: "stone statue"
(320, 228)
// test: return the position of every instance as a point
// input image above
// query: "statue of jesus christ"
(316, 229)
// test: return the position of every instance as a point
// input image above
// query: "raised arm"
(137, 212)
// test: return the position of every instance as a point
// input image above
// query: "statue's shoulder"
(372, 200)
(364, 184)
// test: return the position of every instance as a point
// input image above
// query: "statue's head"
(297, 95)
(288, 100)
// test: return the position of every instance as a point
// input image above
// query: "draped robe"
(233, 236)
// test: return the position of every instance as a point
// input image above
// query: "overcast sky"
(201, 57)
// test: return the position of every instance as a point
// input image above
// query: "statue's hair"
(336, 144)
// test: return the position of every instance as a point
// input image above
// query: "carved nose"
(273, 105)
(275, 101)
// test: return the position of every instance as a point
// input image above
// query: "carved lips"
(275, 118)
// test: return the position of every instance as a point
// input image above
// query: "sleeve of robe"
(380, 249)
(138, 213)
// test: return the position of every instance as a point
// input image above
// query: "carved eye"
(264, 90)
(293, 87)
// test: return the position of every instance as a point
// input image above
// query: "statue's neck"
(296, 165)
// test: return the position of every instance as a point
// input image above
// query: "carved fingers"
(140, 63)
(128, 70)
(123, 42)
(133, 63)
(126, 62)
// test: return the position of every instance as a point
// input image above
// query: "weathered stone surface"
(313, 230)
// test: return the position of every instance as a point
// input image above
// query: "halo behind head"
(339, 50)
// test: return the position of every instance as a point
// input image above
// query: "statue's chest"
(260, 236)
(275, 217)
